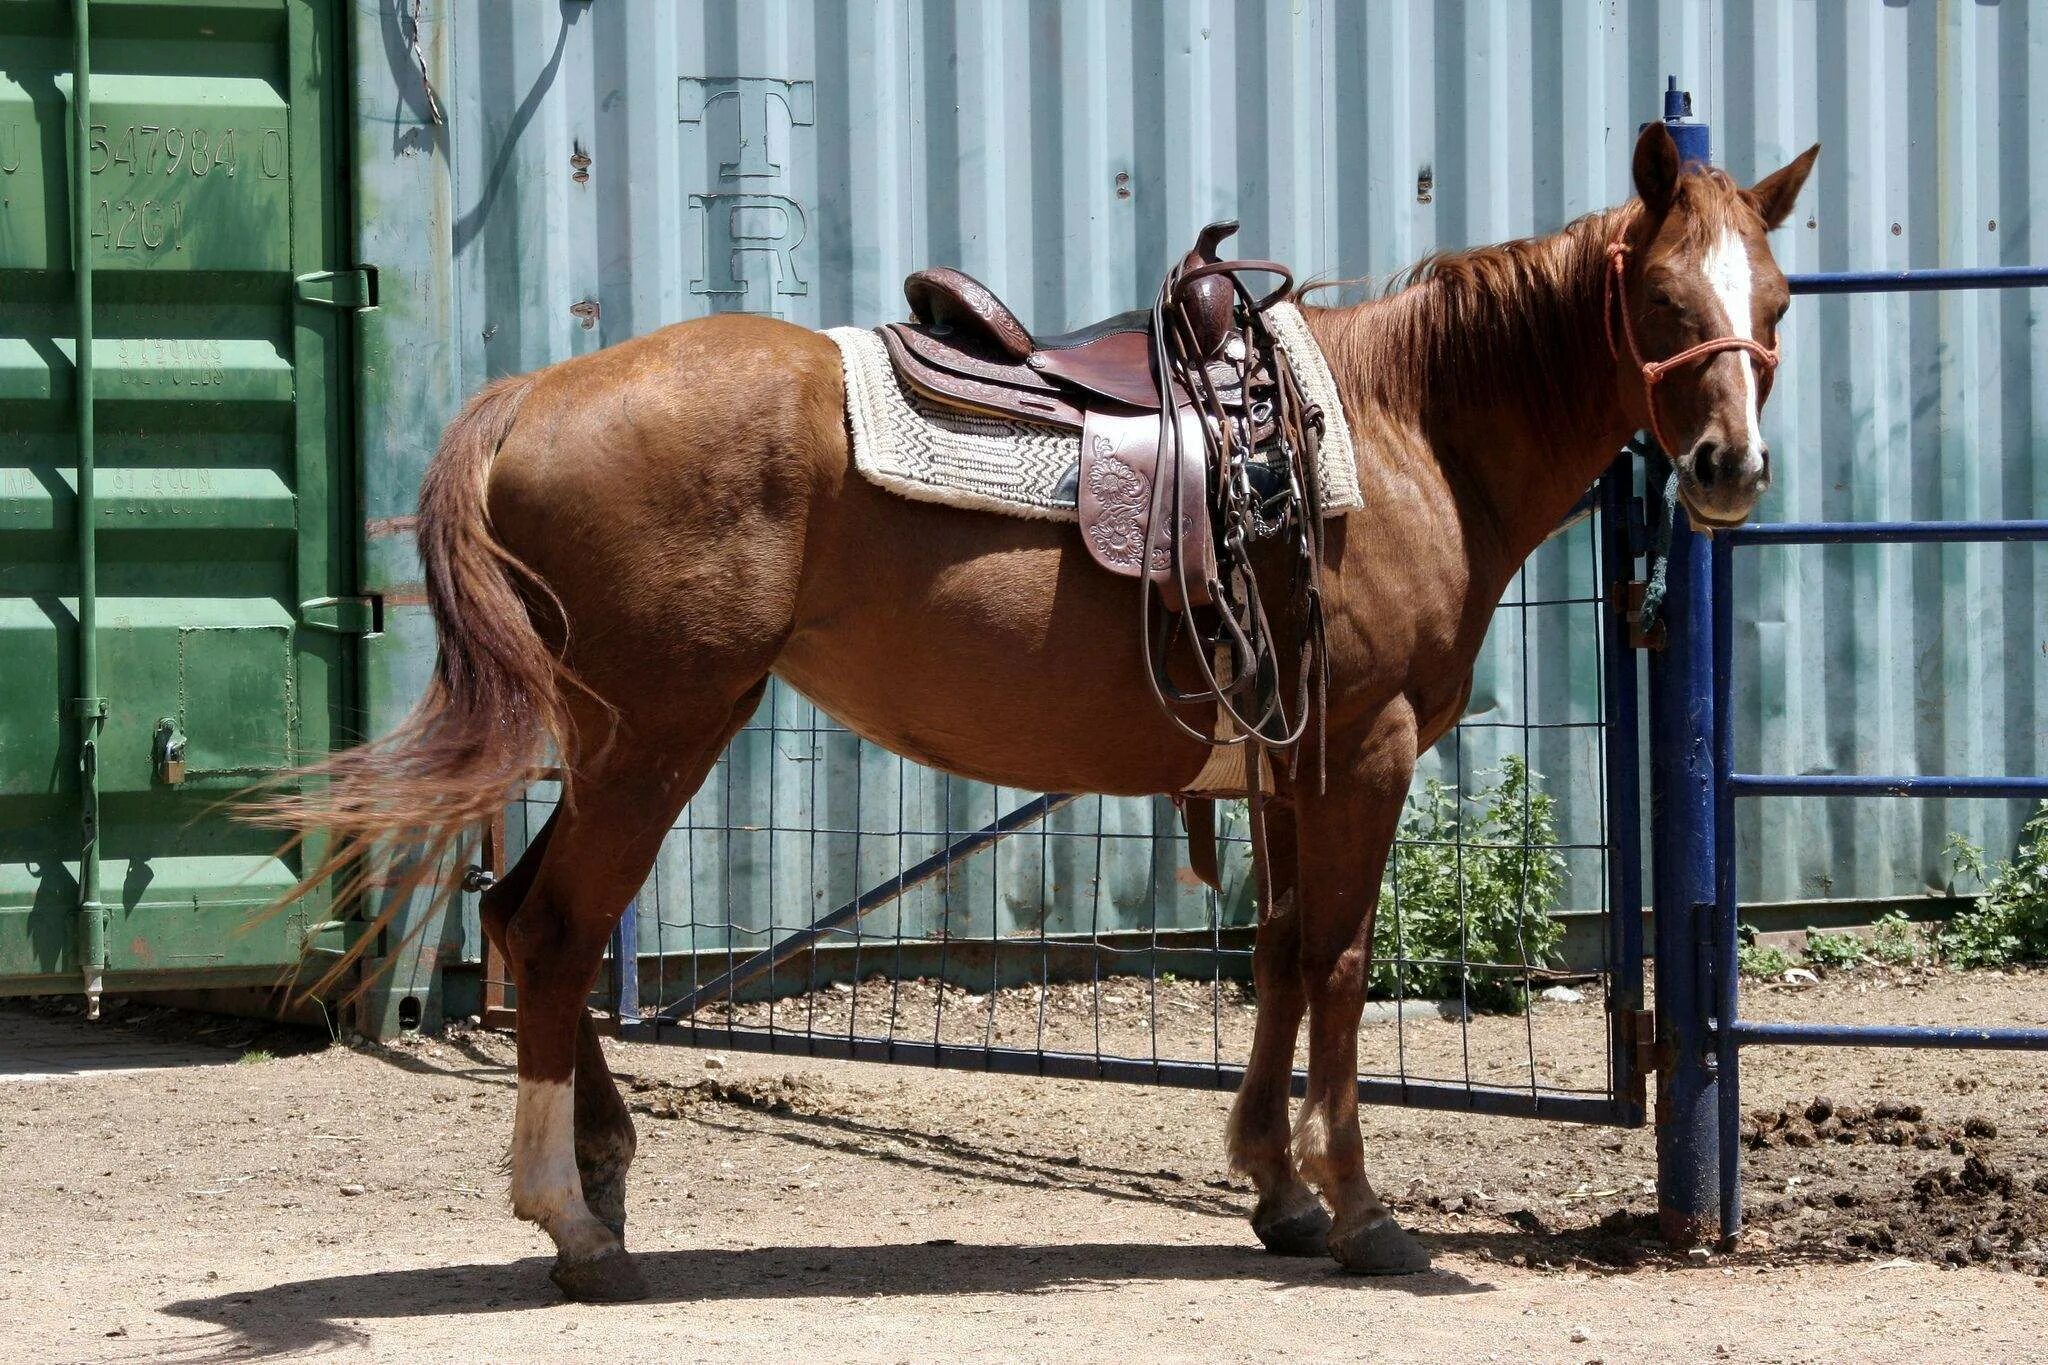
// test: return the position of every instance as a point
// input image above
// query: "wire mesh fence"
(822, 896)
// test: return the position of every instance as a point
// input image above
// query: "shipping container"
(177, 516)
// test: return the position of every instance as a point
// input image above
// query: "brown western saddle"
(1196, 445)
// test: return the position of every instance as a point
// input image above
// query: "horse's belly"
(990, 647)
(1040, 727)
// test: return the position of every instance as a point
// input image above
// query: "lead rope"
(1658, 579)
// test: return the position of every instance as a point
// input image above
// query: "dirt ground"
(348, 1202)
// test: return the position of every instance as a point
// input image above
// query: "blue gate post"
(625, 992)
(1682, 839)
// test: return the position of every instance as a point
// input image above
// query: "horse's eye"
(1660, 299)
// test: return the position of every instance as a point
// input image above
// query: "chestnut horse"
(622, 548)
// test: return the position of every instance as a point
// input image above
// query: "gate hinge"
(343, 615)
(1638, 1032)
(1630, 598)
(354, 289)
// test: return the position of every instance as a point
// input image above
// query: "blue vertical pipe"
(1727, 1065)
(625, 1001)
(1683, 839)
(1695, 141)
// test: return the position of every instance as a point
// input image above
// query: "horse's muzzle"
(1720, 483)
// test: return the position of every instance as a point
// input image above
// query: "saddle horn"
(1208, 299)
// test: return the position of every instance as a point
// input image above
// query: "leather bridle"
(1616, 301)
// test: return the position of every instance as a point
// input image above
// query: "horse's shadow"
(308, 1316)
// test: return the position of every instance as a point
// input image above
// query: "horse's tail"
(395, 809)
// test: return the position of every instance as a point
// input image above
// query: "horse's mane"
(1509, 324)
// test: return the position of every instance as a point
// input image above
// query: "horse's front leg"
(1345, 834)
(1289, 1219)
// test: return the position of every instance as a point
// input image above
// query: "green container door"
(224, 474)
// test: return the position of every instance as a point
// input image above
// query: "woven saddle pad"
(1023, 469)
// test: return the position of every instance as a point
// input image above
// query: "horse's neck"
(1497, 365)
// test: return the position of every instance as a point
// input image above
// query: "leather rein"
(1271, 422)
(1248, 692)
(1615, 301)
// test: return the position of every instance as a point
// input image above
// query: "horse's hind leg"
(605, 1140)
(1345, 835)
(1288, 1219)
(599, 848)
(499, 903)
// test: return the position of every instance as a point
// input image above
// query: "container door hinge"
(354, 289)
(344, 615)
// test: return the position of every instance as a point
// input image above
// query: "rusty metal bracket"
(1638, 1029)
(1629, 602)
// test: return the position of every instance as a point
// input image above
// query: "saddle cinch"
(965, 349)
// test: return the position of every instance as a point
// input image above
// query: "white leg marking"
(546, 1188)
(1726, 267)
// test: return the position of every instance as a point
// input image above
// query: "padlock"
(169, 746)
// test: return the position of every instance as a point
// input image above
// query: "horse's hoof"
(609, 1278)
(1381, 1247)
(1303, 1231)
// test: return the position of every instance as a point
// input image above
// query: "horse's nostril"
(1706, 461)
(1764, 469)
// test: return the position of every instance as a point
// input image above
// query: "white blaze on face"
(1726, 266)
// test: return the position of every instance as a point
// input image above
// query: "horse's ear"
(1656, 168)
(1773, 196)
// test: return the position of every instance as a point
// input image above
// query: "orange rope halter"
(1654, 370)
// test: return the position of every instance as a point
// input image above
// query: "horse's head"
(1699, 299)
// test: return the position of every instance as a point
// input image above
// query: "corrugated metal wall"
(624, 164)
(1866, 658)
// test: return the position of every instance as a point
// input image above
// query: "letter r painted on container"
(735, 223)
(752, 94)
